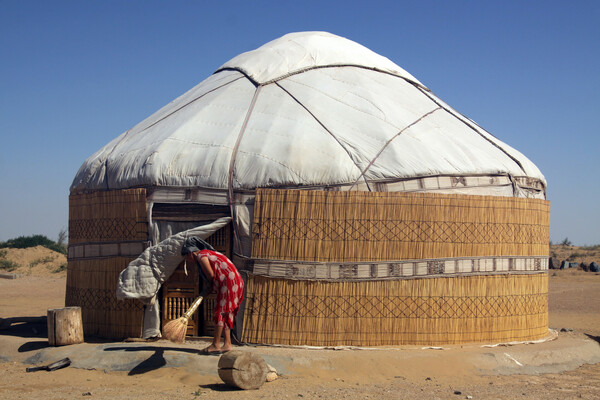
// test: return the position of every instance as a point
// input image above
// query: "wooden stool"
(65, 326)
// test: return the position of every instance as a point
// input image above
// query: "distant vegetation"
(43, 260)
(7, 265)
(594, 247)
(61, 268)
(24, 242)
(577, 254)
(574, 256)
(566, 242)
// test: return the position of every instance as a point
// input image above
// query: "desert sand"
(563, 368)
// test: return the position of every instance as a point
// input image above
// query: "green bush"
(8, 266)
(61, 268)
(24, 242)
(43, 260)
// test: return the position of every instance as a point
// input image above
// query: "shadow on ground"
(220, 387)
(154, 348)
(594, 338)
(26, 327)
(155, 361)
(33, 346)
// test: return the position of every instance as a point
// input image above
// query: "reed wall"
(309, 225)
(92, 285)
(105, 220)
(425, 311)
(111, 216)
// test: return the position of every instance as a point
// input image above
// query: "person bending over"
(224, 279)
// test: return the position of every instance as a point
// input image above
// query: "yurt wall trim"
(405, 269)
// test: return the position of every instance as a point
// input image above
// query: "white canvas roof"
(298, 52)
(308, 109)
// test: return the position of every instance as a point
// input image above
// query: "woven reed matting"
(400, 312)
(91, 285)
(111, 216)
(308, 225)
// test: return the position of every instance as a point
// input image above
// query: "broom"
(175, 330)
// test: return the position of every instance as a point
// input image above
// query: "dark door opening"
(180, 290)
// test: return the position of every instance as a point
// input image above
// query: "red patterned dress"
(228, 285)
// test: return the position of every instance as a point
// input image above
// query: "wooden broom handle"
(188, 314)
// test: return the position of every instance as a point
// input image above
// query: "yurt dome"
(307, 109)
(364, 210)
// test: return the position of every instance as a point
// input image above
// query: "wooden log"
(65, 326)
(243, 369)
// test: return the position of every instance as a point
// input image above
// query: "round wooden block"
(65, 326)
(243, 369)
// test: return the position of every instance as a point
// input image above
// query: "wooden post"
(243, 369)
(65, 326)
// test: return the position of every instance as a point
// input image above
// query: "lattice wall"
(105, 221)
(111, 216)
(424, 311)
(308, 225)
(92, 285)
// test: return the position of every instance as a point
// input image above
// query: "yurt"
(361, 209)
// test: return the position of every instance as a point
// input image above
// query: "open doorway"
(182, 287)
(180, 290)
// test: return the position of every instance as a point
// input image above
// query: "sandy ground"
(564, 368)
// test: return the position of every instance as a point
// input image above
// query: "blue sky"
(76, 74)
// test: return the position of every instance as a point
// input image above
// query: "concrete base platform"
(567, 352)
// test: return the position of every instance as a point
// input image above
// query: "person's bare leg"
(227, 346)
(216, 343)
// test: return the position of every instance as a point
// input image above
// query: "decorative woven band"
(100, 299)
(396, 269)
(101, 250)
